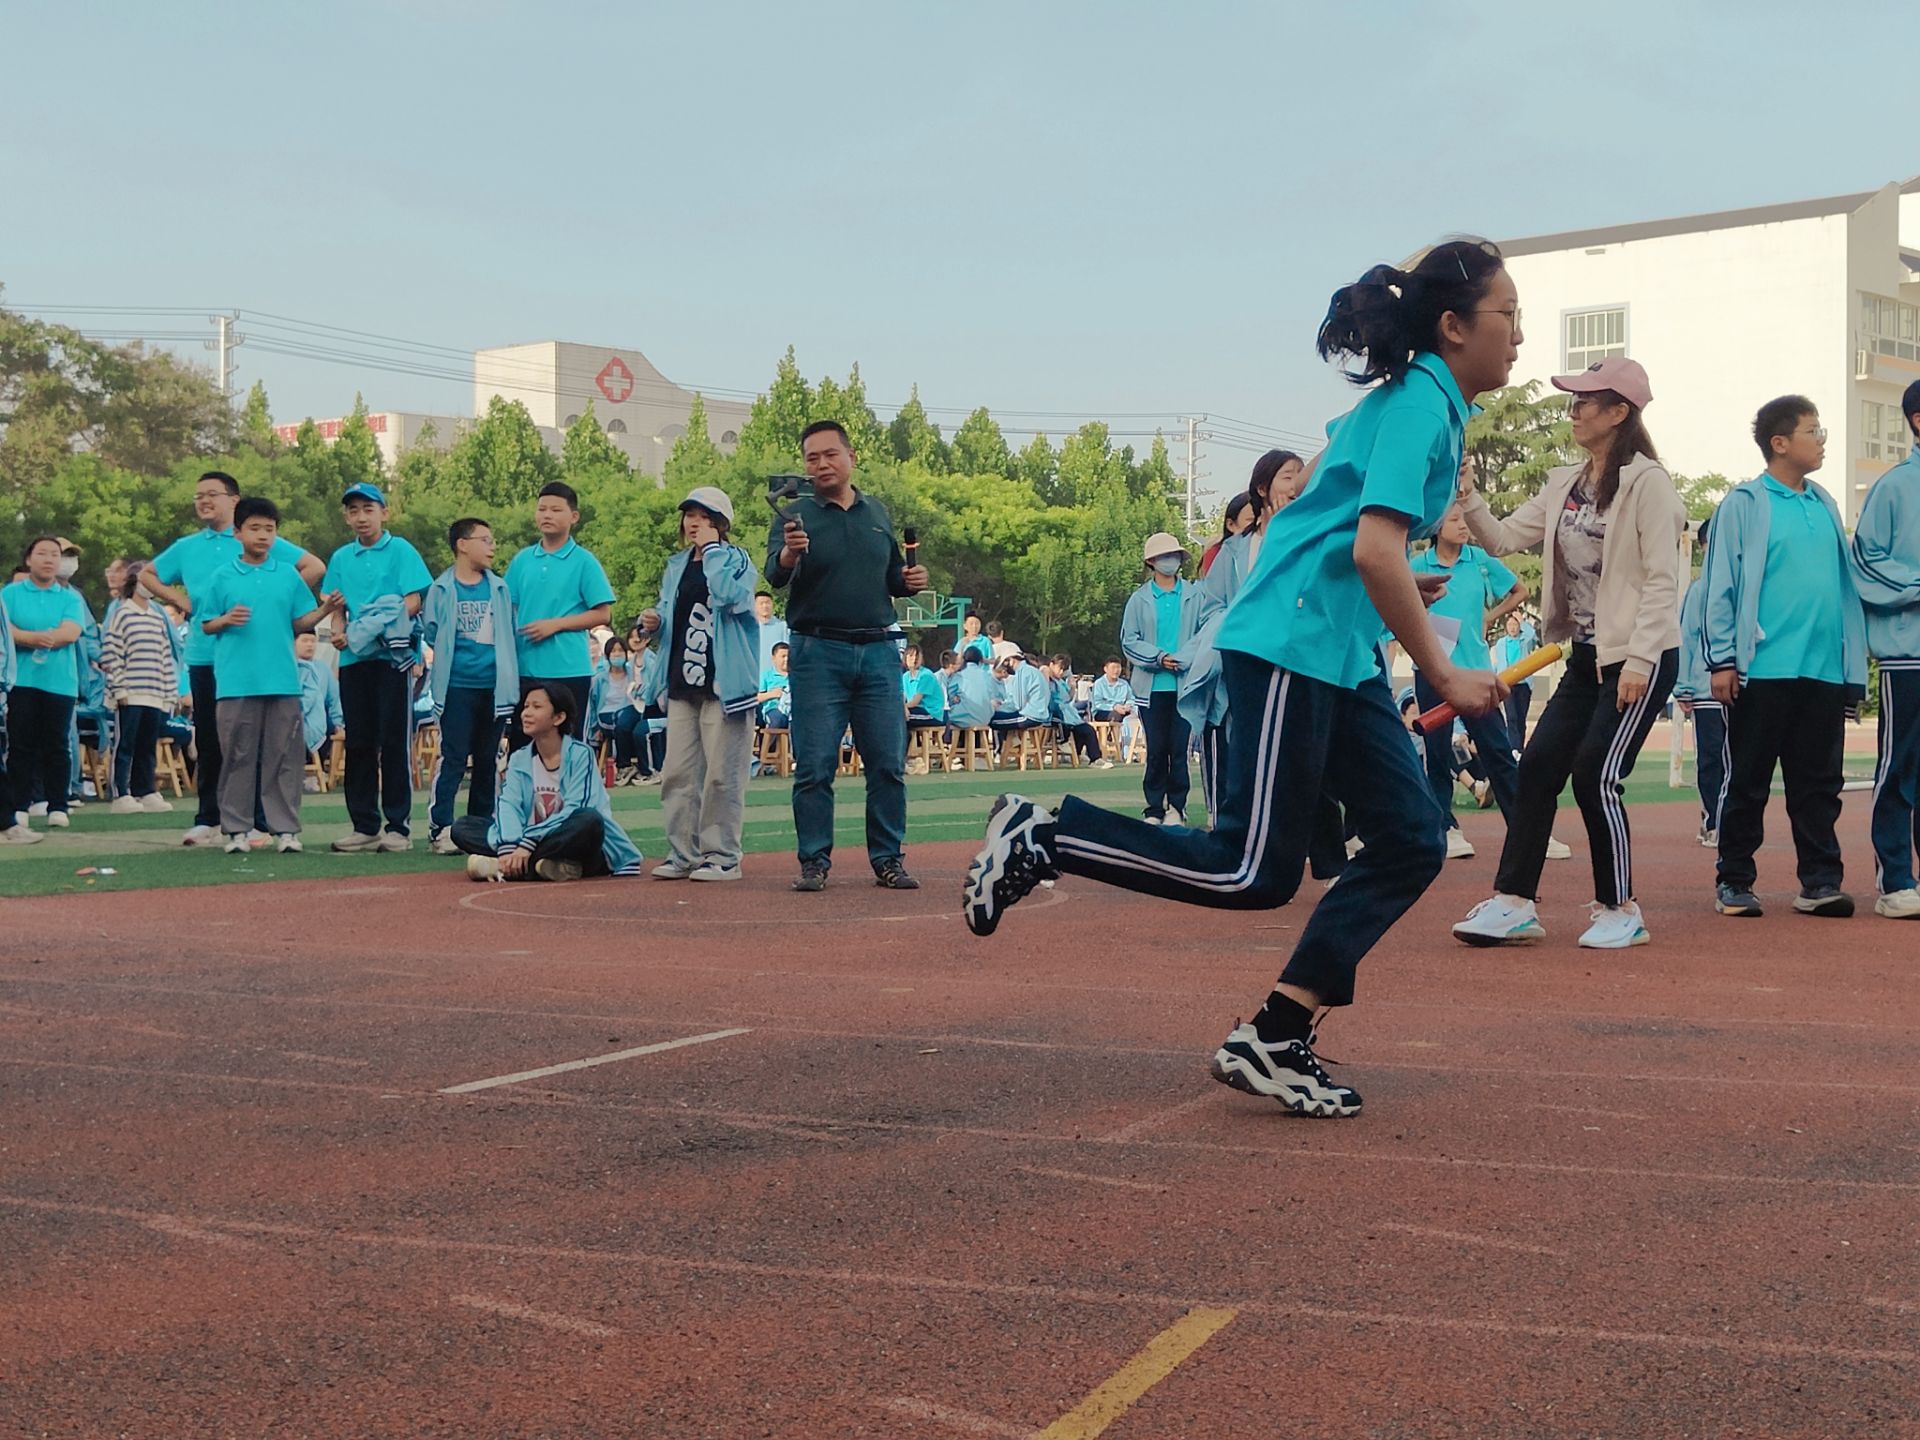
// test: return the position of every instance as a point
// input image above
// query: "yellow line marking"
(1154, 1362)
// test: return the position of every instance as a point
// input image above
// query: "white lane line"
(963, 1420)
(1460, 1237)
(1112, 1180)
(1154, 1121)
(1884, 1302)
(591, 1061)
(547, 1318)
(183, 1230)
(1589, 1110)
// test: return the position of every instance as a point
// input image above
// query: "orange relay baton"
(1442, 714)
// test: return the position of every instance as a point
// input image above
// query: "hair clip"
(1458, 260)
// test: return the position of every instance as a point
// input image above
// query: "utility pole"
(226, 338)
(1193, 425)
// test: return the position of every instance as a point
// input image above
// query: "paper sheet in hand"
(1447, 628)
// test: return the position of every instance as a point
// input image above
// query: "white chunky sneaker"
(1615, 927)
(1558, 851)
(1458, 846)
(1501, 920)
(1900, 905)
(124, 805)
(154, 804)
(1288, 1072)
(1015, 857)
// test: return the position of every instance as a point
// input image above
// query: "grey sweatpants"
(704, 781)
(260, 741)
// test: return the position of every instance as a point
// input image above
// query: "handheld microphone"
(910, 546)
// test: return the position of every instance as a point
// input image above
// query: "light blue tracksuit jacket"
(1139, 624)
(1886, 562)
(581, 788)
(437, 612)
(731, 578)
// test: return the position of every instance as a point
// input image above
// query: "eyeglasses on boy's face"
(1818, 434)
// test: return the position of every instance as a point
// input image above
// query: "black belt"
(870, 636)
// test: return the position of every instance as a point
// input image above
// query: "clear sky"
(1097, 210)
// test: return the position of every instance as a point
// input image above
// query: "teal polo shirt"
(363, 573)
(191, 561)
(1304, 608)
(1802, 623)
(1475, 580)
(31, 608)
(1166, 630)
(255, 658)
(926, 684)
(550, 585)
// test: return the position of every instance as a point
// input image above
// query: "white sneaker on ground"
(1710, 839)
(442, 842)
(1458, 846)
(124, 805)
(236, 845)
(1900, 905)
(1501, 920)
(21, 835)
(57, 820)
(1288, 1072)
(153, 804)
(200, 835)
(38, 809)
(1354, 846)
(672, 870)
(711, 871)
(358, 842)
(392, 842)
(1150, 819)
(1176, 818)
(1558, 851)
(287, 844)
(1101, 764)
(483, 867)
(1615, 927)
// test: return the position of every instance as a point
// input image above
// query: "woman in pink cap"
(1609, 534)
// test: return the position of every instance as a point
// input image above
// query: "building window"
(1883, 432)
(727, 437)
(1594, 335)
(569, 422)
(616, 427)
(1889, 327)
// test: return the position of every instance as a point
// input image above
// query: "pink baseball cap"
(1624, 377)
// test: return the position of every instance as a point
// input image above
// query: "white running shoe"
(1615, 927)
(236, 845)
(200, 835)
(1288, 1072)
(124, 805)
(1015, 858)
(287, 844)
(38, 809)
(1558, 851)
(483, 867)
(1501, 920)
(1101, 764)
(21, 835)
(711, 871)
(672, 870)
(57, 820)
(153, 804)
(442, 842)
(1709, 839)
(1176, 818)
(1458, 846)
(1900, 905)
(358, 843)
(392, 842)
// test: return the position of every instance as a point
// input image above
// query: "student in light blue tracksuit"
(1886, 568)
(1156, 630)
(469, 621)
(1312, 712)
(974, 693)
(1026, 702)
(553, 820)
(1786, 646)
(1693, 688)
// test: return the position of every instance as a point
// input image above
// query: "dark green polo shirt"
(850, 573)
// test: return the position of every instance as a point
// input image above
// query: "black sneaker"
(1733, 900)
(893, 876)
(1013, 861)
(812, 877)
(1288, 1072)
(1827, 901)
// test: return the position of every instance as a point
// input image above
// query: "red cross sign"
(615, 380)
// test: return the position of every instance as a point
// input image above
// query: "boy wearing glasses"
(1785, 644)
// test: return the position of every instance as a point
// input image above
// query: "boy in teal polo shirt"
(252, 607)
(1784, 635)
(1475, 580)
(560, 592)
(1311, 712)
(381, 581)
(46, 620)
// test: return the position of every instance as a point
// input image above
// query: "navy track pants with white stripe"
(1294, 739)
(1584, 734)
(1896, 778)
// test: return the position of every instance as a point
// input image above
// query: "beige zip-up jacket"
(1637, 611)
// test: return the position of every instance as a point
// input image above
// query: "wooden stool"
(97, 766)
(776, 752)
(849, 757)
(972, 749)
(1064, 749)
(1028, 744)
(317, 770)
(924, 742)
(170, 767)
(1108, 733)
(426, 750)
(337, 760)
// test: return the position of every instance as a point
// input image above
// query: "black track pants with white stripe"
(1584, 735)
(1294, 740)
(1896, 778)
(1710, 761)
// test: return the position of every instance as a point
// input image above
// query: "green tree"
(1037, 464)
(979, 448)
(500, 462)
(1088, 465)
(914, 437)
(863, 426)
(1155, 475)
(256, 423)
(774, 422)
(1517, 437)
(586, 450)
(356, 454)
(694, 458)
(1701, 493)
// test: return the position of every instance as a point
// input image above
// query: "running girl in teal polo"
(1311, 709)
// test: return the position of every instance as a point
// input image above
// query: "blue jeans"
(835, 685)
(133, 749)
(1297, 743)
(469, 731)
(629, 731)
(1491, 743)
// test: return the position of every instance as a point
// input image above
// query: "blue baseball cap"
(364, 491)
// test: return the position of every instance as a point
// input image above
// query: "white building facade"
(1727, 311)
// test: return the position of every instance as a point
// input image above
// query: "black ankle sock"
(1282, 1019)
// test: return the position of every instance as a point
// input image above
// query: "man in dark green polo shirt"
(839, 556)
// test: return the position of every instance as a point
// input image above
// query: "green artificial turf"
(145, 852)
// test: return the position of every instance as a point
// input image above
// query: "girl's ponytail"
(1389, 315)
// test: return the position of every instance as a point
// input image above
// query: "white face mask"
(67, 567)
(1168, 565)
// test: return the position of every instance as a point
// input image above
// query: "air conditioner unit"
(1863, 364)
